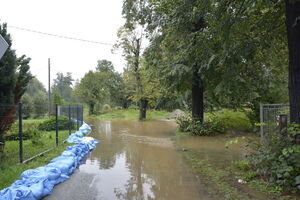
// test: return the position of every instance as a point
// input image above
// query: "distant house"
(3, 46)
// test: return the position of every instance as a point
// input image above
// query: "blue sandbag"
(22, 192)
(39, 182)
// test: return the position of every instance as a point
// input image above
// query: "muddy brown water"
(138, 160)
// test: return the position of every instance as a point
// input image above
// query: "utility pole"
(49, 92)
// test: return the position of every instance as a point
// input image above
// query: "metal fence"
(23, 139)
(269, 118)
(73, 112)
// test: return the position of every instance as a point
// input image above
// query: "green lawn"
(131, 114)
(10, 168)
(11, 171)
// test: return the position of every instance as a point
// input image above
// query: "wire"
(60, 36)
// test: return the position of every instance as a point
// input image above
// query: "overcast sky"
(96, 20)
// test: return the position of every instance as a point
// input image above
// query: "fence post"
(70, 123)
(81, 114)
(20, 133)
(77, 116)
(56, 124)
(261, 116)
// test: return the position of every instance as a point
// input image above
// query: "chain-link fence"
(270, 118)
(27, 131)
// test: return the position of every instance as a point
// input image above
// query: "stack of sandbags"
(34, 183)
(39, 182)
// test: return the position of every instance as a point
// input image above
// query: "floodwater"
(137, 160)
(214, 149)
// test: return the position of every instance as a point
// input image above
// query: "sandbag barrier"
(38, 183)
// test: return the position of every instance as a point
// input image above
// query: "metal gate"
(269, 118)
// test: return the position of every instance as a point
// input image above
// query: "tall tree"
(63, 86)
(114, 83)
(219, 49)
(35, 99)
(293, 37)
(92, 89)
(105, 66)
(14, 77)
(130, 40)
(132, 36)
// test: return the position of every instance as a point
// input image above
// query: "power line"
(60, 36)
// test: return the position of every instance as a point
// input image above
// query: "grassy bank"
(35, 141)
(231, 179)
(130, 114)
(9, 172)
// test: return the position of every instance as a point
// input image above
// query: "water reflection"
(134, 160)
(142, 154)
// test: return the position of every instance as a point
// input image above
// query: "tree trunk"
(293, 37)
(2, 144)
(143, 109)
(197, 98)
(91, 108)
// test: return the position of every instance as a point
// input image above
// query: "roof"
(3, 46)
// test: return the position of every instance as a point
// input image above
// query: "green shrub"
(106, 107)
(243, 165)
(210, 127)
(28, 133)
(35, 135)
(134, 107)
(118, 108)
(232, 120)
(278, 160)
(50, 124)
(13, 132)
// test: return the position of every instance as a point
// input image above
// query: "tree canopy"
(14, 78)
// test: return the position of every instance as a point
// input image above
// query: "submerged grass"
(130, 114)
(234, 181)
(225, 181)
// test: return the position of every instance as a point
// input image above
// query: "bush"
(35, 136)
(118, 108)
(232, 120)
(278, 160)
(106, 107)
(243, 165)
(50, 124)
(210, 127)
(13, 132)
(30, 132)
(134, 107)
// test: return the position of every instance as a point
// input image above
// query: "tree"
(131, 36)
(57, 100)
(113, 82)
(40, 103)
(92, 89)
(14, 78)
(293, 37)
(63, 86)
(217, 49)
(35, 99)
(105, 66)
(35, 86)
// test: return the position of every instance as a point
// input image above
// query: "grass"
(32, 147)
(10, 168)
(131, 114)
(10, 172)
(224, 182)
